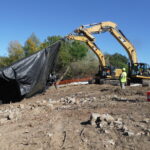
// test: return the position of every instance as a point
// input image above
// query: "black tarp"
(28, 76)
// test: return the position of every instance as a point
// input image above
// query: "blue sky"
(20, 18)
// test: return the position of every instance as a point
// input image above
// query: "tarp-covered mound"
(29, 75)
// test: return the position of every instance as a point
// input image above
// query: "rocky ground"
(81, 117)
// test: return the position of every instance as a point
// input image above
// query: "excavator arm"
(111, 27)
(126, 44)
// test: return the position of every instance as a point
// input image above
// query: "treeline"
(74, 56)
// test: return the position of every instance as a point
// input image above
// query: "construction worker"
(123, 78)
(52, 80)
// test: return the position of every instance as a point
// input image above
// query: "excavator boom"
(112, 28)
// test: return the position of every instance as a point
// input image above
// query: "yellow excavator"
(106, 74)
(137, 72)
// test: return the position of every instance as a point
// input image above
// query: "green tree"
(32, 45)
(15, 51)
(71, 51)
(117, 60)
(5, 61)
(49, 41)
(34, 39)
(77, 50)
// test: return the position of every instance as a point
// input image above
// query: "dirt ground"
(60, 119)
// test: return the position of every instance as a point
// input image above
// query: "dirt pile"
(90, 117)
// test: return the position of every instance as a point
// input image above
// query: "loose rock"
(93, 118)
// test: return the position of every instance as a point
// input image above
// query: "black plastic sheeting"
(28, 76)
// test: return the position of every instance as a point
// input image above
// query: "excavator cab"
(139, 73)
(111, 72)
(140, 69)
(104, 72)
(108, 75)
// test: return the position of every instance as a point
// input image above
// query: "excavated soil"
(59, 119)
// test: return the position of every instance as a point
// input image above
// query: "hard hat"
(135, 64)
(123, 69)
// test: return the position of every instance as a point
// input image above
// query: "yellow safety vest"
(123, 78)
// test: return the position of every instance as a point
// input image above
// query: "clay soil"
(59, 119)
